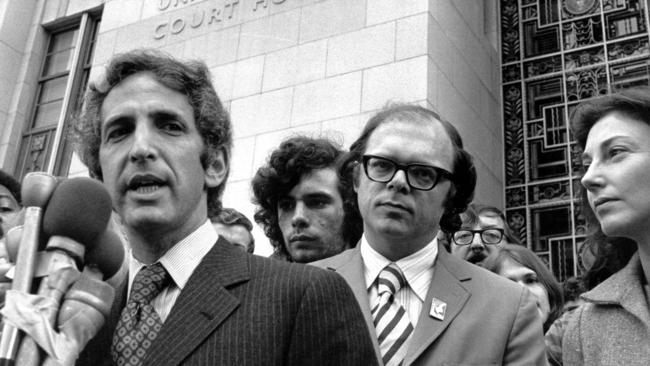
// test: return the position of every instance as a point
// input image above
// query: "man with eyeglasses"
(422, 305)
(482, 232)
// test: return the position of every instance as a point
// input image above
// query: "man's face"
(9, 210)
(311, 217)
(399, 220)
(236, 234)
(477, 251)
(150, 158)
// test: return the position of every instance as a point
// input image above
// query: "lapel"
(203, 304)
(624, 288)
(445, 286)
(349, 265)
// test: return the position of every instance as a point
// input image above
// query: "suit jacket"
(488, 320)
(613, 326)
(241, 309)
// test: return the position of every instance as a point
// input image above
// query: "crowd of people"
(403, 268)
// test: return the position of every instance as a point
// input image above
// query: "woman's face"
(526, 277)
(617, 177)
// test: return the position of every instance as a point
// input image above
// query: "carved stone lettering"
(201, 14)
(177, 26)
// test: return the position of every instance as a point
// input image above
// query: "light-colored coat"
(613, 327)
(488, 320)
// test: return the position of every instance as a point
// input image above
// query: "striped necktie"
(391, 320)
(139, 322)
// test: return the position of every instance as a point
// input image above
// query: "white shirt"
(180, 261)
(417, 268)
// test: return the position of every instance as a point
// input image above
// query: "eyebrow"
(606, 143)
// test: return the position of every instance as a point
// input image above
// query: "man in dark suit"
(424, 306)
(155, 133)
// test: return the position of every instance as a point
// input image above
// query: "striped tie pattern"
(139, 322)
(391, 321)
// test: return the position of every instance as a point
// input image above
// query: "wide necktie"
(391, 320)
(139, 323)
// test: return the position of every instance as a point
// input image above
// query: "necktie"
(391, 321)
(139, 323)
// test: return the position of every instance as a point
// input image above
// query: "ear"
(217, 172)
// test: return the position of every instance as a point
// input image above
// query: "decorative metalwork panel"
(556, 54)
(543, 66)
(583, 58)
(510, 48)
(511, 73)
(562, 260)
(583, 32)
(577, 8)
(515, 197)
(517, 222)
(535, 129)
(513, 134)
(529, 12)
(549, 192)
(628, 22)
(586, 84)
(629, 48)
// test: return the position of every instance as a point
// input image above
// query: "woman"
(612, 326)
(521, 265)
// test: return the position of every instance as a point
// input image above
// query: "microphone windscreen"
(107, 254)
(79, 209)
(36, 189)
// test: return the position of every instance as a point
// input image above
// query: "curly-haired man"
(304, 209)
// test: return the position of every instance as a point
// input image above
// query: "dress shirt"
(417, 269)
(180, 261)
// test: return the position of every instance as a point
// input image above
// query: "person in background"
(482, 232)
(521, 265)
(10, 202)
(303, 207)
(424, 306)
(572, 287)
(235, 227)
(611, 327)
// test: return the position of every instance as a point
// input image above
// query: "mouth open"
(145, 184)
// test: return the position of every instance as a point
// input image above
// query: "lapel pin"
(438, 309)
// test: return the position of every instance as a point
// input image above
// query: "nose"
(300, 218)
(399, 182)
(477, 244)
(143, 146)
(592, 179)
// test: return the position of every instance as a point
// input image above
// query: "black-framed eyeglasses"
(488, 236)
(418, 176)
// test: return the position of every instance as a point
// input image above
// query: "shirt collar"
(181, 260)
(416, 267)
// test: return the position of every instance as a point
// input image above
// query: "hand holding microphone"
(77, 213)
(36, 191)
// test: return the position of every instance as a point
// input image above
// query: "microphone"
(36, 191)
(76, 216)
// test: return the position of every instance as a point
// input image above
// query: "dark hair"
(287, 165)
(464, 173)
(530, 260)
(474, 210)
(611, 253)
(190, 78)
(572, 288)
(231, 217)
(11, 184)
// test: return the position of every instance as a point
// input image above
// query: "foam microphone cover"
(107, 254)
(36, 189)
(79, 209)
